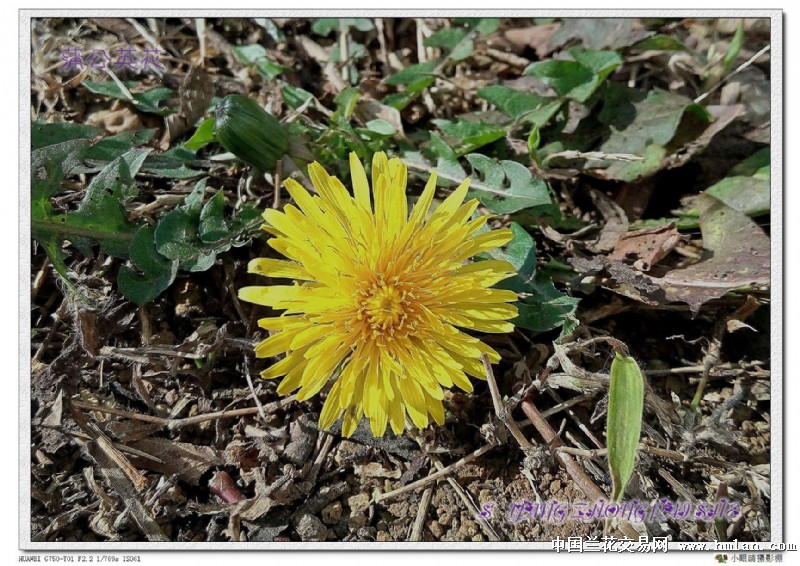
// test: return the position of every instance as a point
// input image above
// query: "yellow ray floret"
(382, 296)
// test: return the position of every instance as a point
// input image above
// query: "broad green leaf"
(624, 424)
(173, 163)
(455, 40)
(750, 195)
(108, 149)
(155, 272)
(642, 124)
(520, 252)
(561, 76)
(507, 186)
(44, 134)
(203, 136)
(757, 165)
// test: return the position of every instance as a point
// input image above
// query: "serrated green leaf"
(507, 186)
(100, 217)
(624, 424)
(203, 136)
(192, 234)
(155, 272)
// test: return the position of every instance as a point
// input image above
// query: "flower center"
(386, 308)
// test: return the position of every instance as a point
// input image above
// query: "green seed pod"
(249, 132)
(624, 424)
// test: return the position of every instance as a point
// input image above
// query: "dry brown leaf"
(186, 460)
(368, 109)
(195, 95)
(616, 222)
(648, 246)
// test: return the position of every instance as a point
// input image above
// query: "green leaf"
(156, 272)
(173, 163)
(447, 38)
(108, 149)
(346, 103)
(506, 186)
(534, 139)
(413, 73)
(145, 101)
(520, 252)
(642, 124)
(518, 104)
(757, 164)
(473, 134)
(324, 26)
(294, 96)
(624, 424)
(100, 218)
(734, 48)
(660, 43)
(457, 41)
(193, 234)
(541, 307)
(381, 127)
(577, 79)
(44, 134)
(212, 225)
(203, 136)
(256, 56)
(402, 99)
(561, 76)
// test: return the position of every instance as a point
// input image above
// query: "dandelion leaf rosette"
(382, 296)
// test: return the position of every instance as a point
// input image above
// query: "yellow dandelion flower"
(380, 297)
